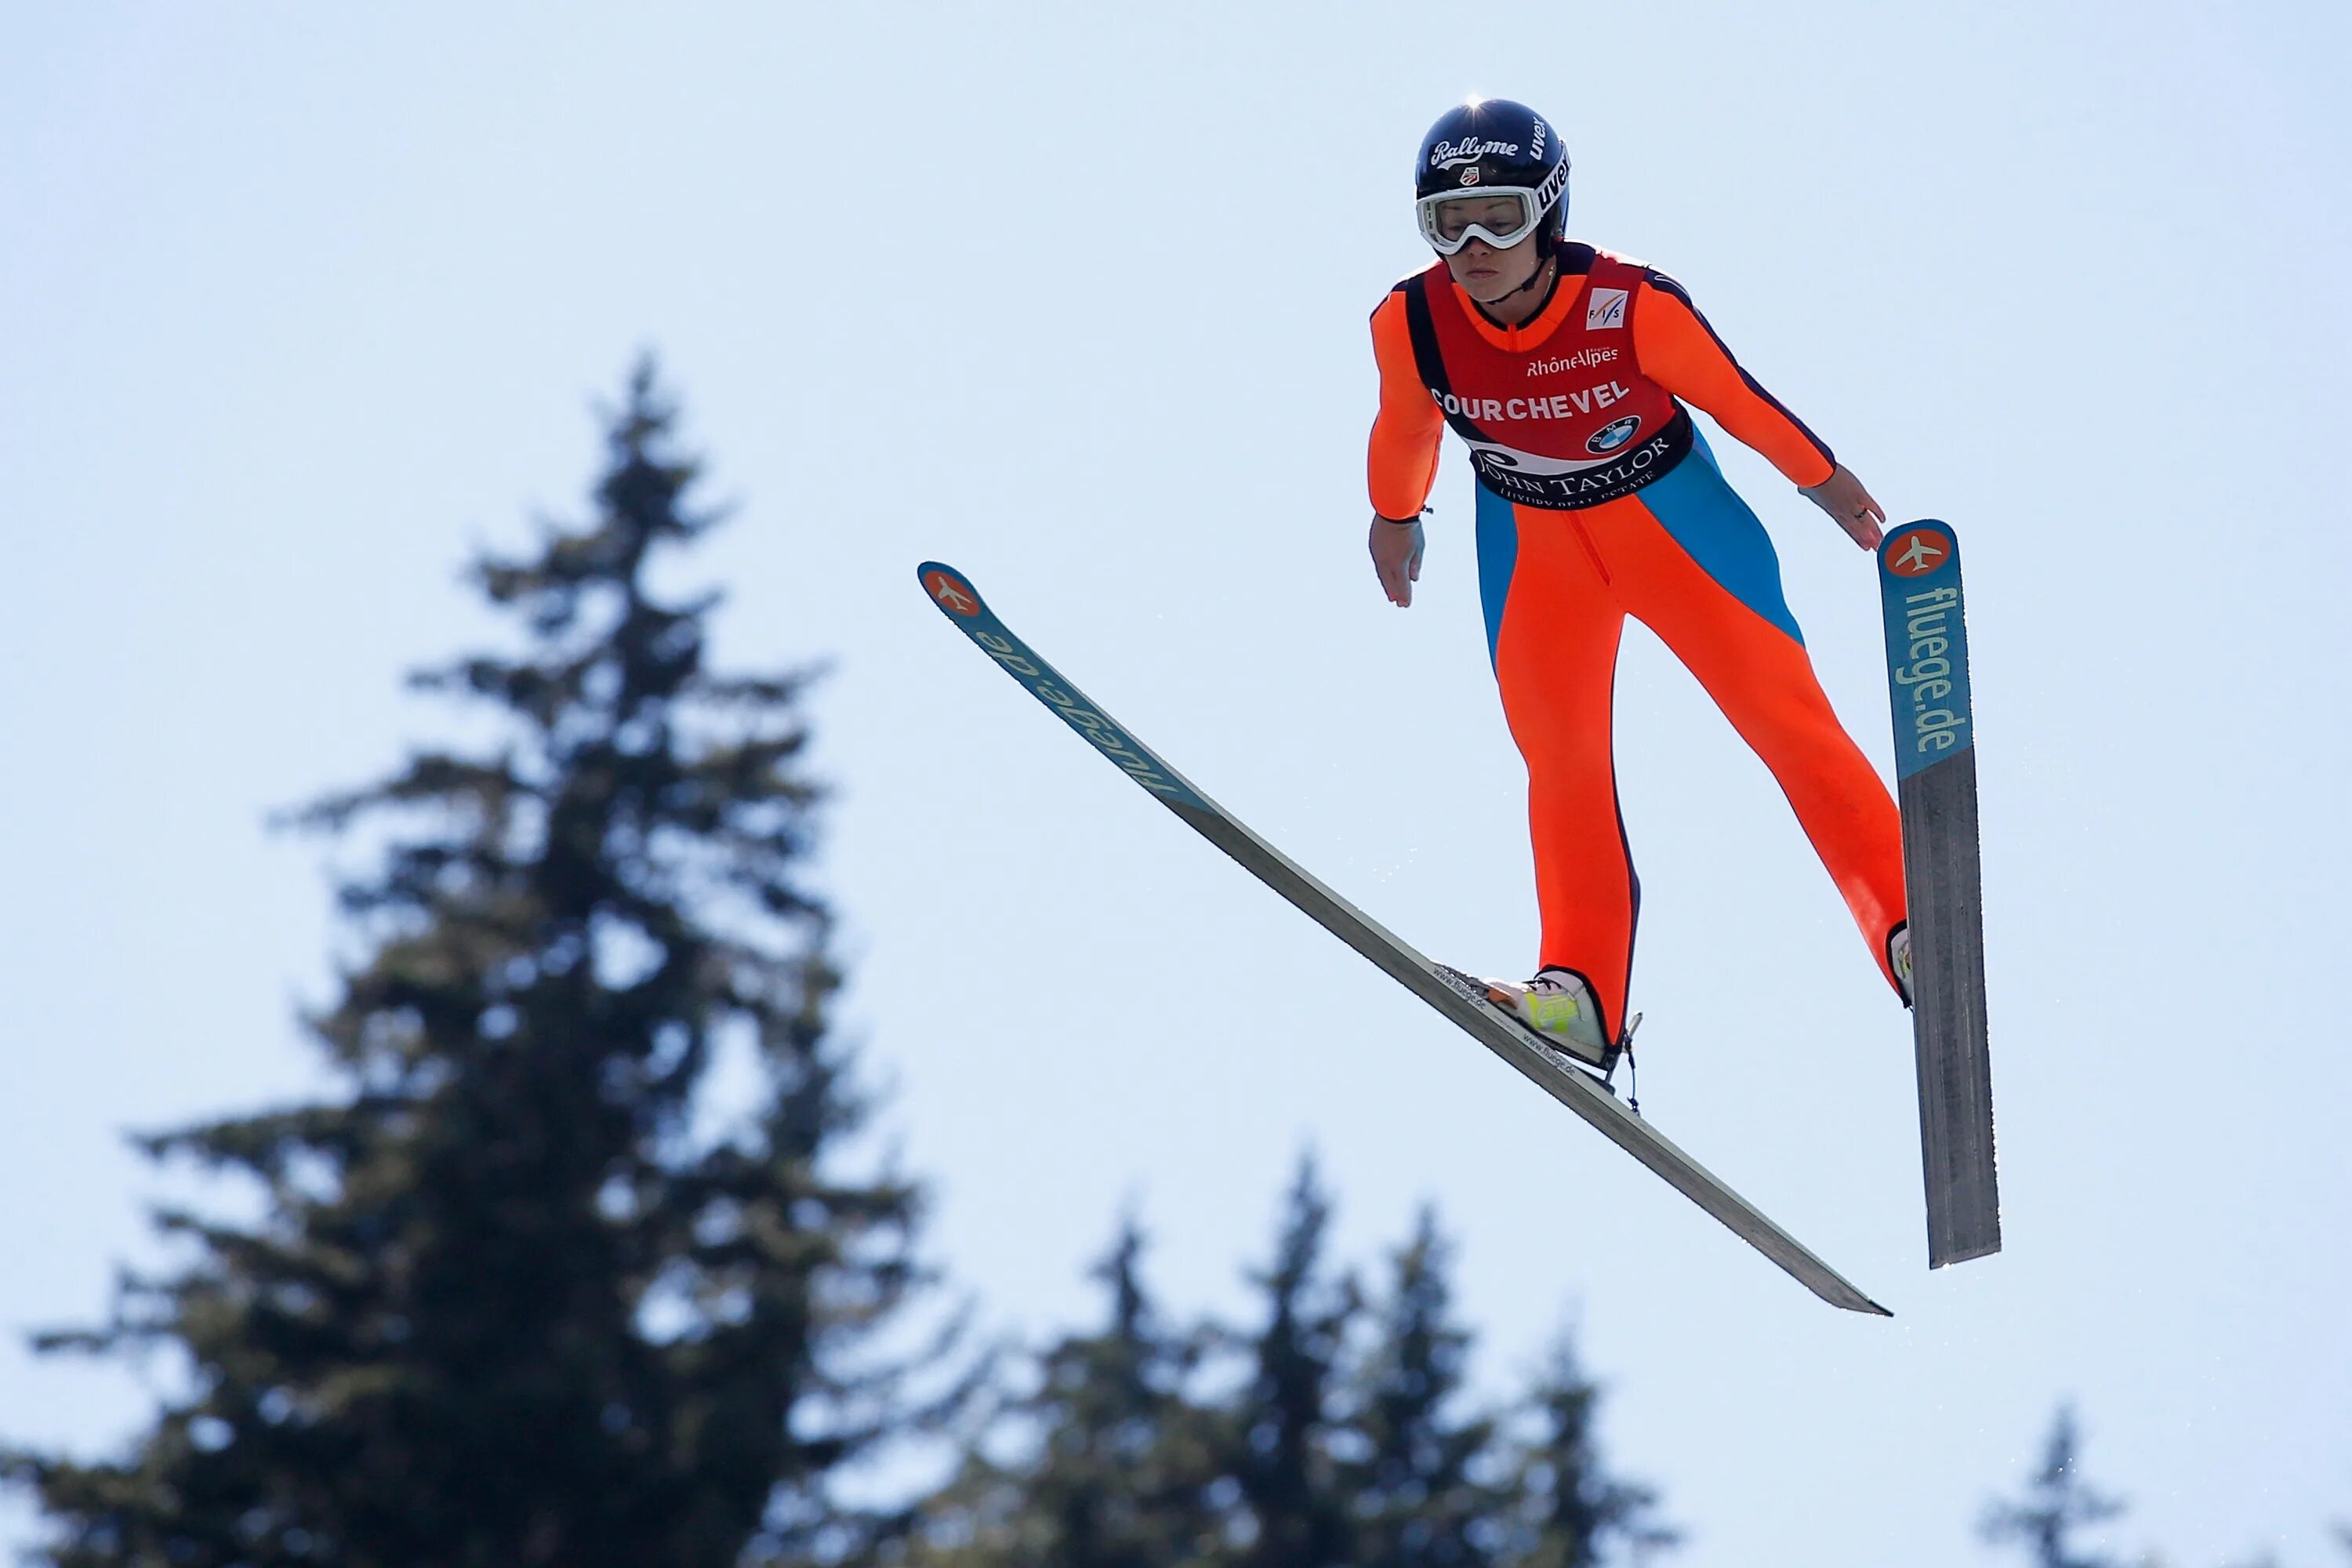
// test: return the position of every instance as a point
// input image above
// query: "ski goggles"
(1502, 215)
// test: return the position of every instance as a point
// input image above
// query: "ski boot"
(1898, 959)
(1558, 1007)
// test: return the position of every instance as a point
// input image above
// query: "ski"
(1460, 998)
(1936, 784)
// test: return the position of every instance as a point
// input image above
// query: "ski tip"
(1873, 1308)
(950, 590)
(1917, 548)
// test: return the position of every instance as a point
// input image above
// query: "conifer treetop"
(523, 1293)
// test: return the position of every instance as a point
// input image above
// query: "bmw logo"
(1614, 434)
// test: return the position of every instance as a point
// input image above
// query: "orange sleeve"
(1680, 352)
(1409, 428)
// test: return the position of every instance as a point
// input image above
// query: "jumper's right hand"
(1396, 556)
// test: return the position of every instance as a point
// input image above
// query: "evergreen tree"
(507, 1304)
(1419, 1498)
(1115, 1461)
(2057, 1506)
(1571, 1512)
(1129, 1447)
(1296, 1509)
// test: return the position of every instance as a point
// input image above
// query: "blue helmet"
(1492, 170)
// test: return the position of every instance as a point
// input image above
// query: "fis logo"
(1605, 310)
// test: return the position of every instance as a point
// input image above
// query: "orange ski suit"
(1597, 497)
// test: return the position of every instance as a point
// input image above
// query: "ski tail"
(1936, 784)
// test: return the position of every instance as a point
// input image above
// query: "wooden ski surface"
(1936, 774)
(1451, 994)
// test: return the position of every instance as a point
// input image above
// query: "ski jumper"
(1597, 498)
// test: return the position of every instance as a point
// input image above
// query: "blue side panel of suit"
(1705, 516)
(1694, 503)
(1498, 553)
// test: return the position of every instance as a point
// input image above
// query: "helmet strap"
(1552, 228)
(1547, 265)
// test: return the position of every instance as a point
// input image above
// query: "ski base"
(1458, 996)
(1936, 772)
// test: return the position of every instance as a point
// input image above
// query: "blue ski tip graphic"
(960, 603)
(1927, 643)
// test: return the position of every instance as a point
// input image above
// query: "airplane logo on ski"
(952, 596)
(1924, 550)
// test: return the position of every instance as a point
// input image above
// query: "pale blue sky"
(300, 302)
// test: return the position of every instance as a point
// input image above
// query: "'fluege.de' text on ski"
(1929, 675)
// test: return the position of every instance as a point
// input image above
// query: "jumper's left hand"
(1842, 496)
